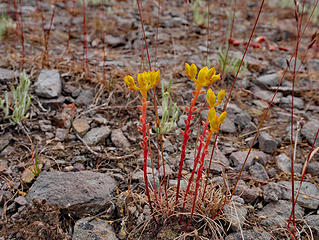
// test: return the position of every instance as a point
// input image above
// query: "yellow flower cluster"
(206, 76)
(214, 120)
(145, 80)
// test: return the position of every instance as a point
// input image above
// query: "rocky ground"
(82, 123)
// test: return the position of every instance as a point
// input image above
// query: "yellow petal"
(211, 98)
(222, 118)
(193, 71)
(220, 97)
(129, 80)
(202, 76)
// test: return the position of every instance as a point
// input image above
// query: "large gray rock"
(119, 140)
(235, 213)
(91, 228)
(6, 74)
(271, 192)
(85, 97)
(81, 193)
(287, 102)
(313, 223)
(267, 143)
(96, 135)
(238, 158)
(49, 84)
(258, 171)
(268, 80)
(308, 193)
(309, 131)
(283, 162)
(251, 234)
(275, 214)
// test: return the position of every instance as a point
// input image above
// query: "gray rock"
(85, 98)
(309, 131)
(242, 119)
(266, 143)
(60, 134)
(258, 171)
(5, 140)
(251, 234)
(247, 193)
(238, 158)
(219, 162)
(80, 193)
(313, 168)
(283, 63)
(305, 197)
(168, 170)
(266, 95)
(96, 135)
(284, 164)
(6, 74)
(119, 140)
(314, 64)
(49, 84)
(287, 101)
(45, 125)
(21, 200)
(268, 80)
(113, 41)
(181, 121)
(168, 146)
(228, 126)
(313, 222)
(275, 214)
(236, 215)
(271, 192)
(91, 228)
(173, 182)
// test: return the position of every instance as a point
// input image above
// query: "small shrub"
(16, 111)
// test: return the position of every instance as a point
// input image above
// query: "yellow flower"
(145, 80)
(214, 120)
(206, 76)
(220, 97)
(211, 98)
(191, 71)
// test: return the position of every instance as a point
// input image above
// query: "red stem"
(85, 53)
(199, 176)
(145, 148)
(18, 17)
(196, 160)
(186, 134)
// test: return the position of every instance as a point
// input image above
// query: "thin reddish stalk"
(156, 34)
(210, 164)
(142, 24)
(299, 24)
(186, 133)
(196, 160)
(85, 52)
(304, 174)
(18, 17)
(47, 36)
(71, 25)
(207, 45)
(152, 166)
(144, 129)
(199, 176)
